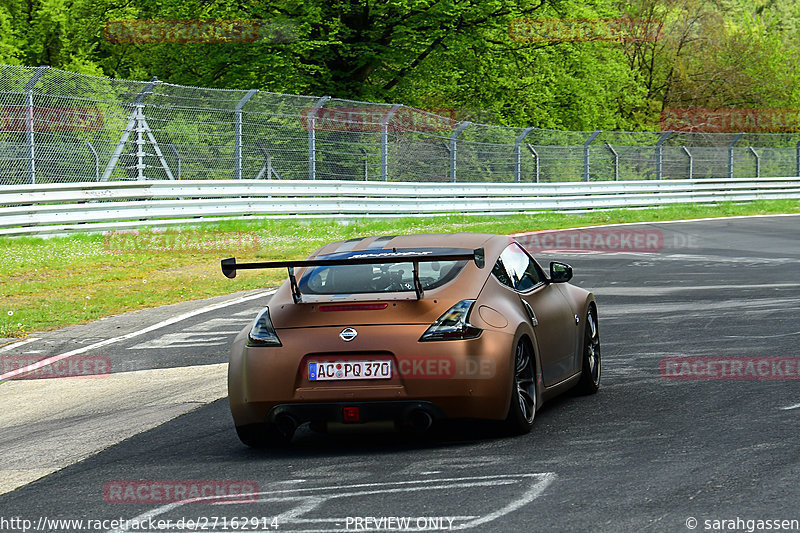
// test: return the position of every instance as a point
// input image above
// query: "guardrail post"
(96, 161)
(177, 159)
(758, 161)
(536, 160)
(385, 141)
(660, 154)
(311, 122)
(691, 160)
(29, 122)
(589, 141)
(453, 147)
(518, 153)
(730, 153)
(237, 134)
(616, 161)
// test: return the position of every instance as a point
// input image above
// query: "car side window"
(517, 270)
(500, 273)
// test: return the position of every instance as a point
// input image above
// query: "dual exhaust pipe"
(420, 420)
(286, 424)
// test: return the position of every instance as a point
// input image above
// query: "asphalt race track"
(652, 451)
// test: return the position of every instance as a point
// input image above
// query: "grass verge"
(50, 283)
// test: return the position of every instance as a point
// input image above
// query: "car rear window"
(385, 277)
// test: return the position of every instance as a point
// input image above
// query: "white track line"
(310, 499)
(795, 406)
(168, 322)
(10, 345)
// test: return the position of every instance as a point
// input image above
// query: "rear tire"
(263, 436)
(524, 402)
(590, 372)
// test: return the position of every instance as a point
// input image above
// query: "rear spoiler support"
(294, 286)
(230, 266)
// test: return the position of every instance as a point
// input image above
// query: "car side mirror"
(560, 272)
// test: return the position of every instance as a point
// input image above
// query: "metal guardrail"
(65, 207)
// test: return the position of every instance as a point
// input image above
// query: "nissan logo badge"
(348, 334)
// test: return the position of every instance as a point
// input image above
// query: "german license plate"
(340, 370)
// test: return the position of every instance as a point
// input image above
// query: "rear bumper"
(399, 411)
(450, 379)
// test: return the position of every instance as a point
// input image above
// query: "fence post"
(691, 162)
(366, 168)
(453, 147)
(266, 168)
(237, 133)
(589, 141)
(518, 153)
(177, 158)
(758, 161)
(536, 160)
(311, 123)
(660, 154)
(132, 122)
(385, 141)
(730, 154)
(29, 121)
(140, 153)
(616, 161)
(96, 161)
(797, 155)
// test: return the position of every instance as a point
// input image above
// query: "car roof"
(426, 240)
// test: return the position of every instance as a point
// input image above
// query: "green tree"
(10, 52)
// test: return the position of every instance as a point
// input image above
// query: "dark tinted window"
(385, 277)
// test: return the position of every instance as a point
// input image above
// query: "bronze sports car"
(411, 329)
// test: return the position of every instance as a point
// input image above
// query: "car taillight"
(263, 332)
(453, 324)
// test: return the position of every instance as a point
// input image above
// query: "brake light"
(353, 307)
(262, 333)
(453, 324)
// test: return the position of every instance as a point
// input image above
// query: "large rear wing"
(230, 266)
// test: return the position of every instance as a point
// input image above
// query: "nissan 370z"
(411, 330)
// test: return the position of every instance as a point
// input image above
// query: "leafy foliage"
(456, 54)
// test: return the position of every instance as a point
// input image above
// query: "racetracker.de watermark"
(594, 240)
(730, 368)
(445, 367)
(705, 120)
(76, 366)
(50, 119)
(580, 30)
(366, 118)
(200, 31)
(166, 241)
(159, 492)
